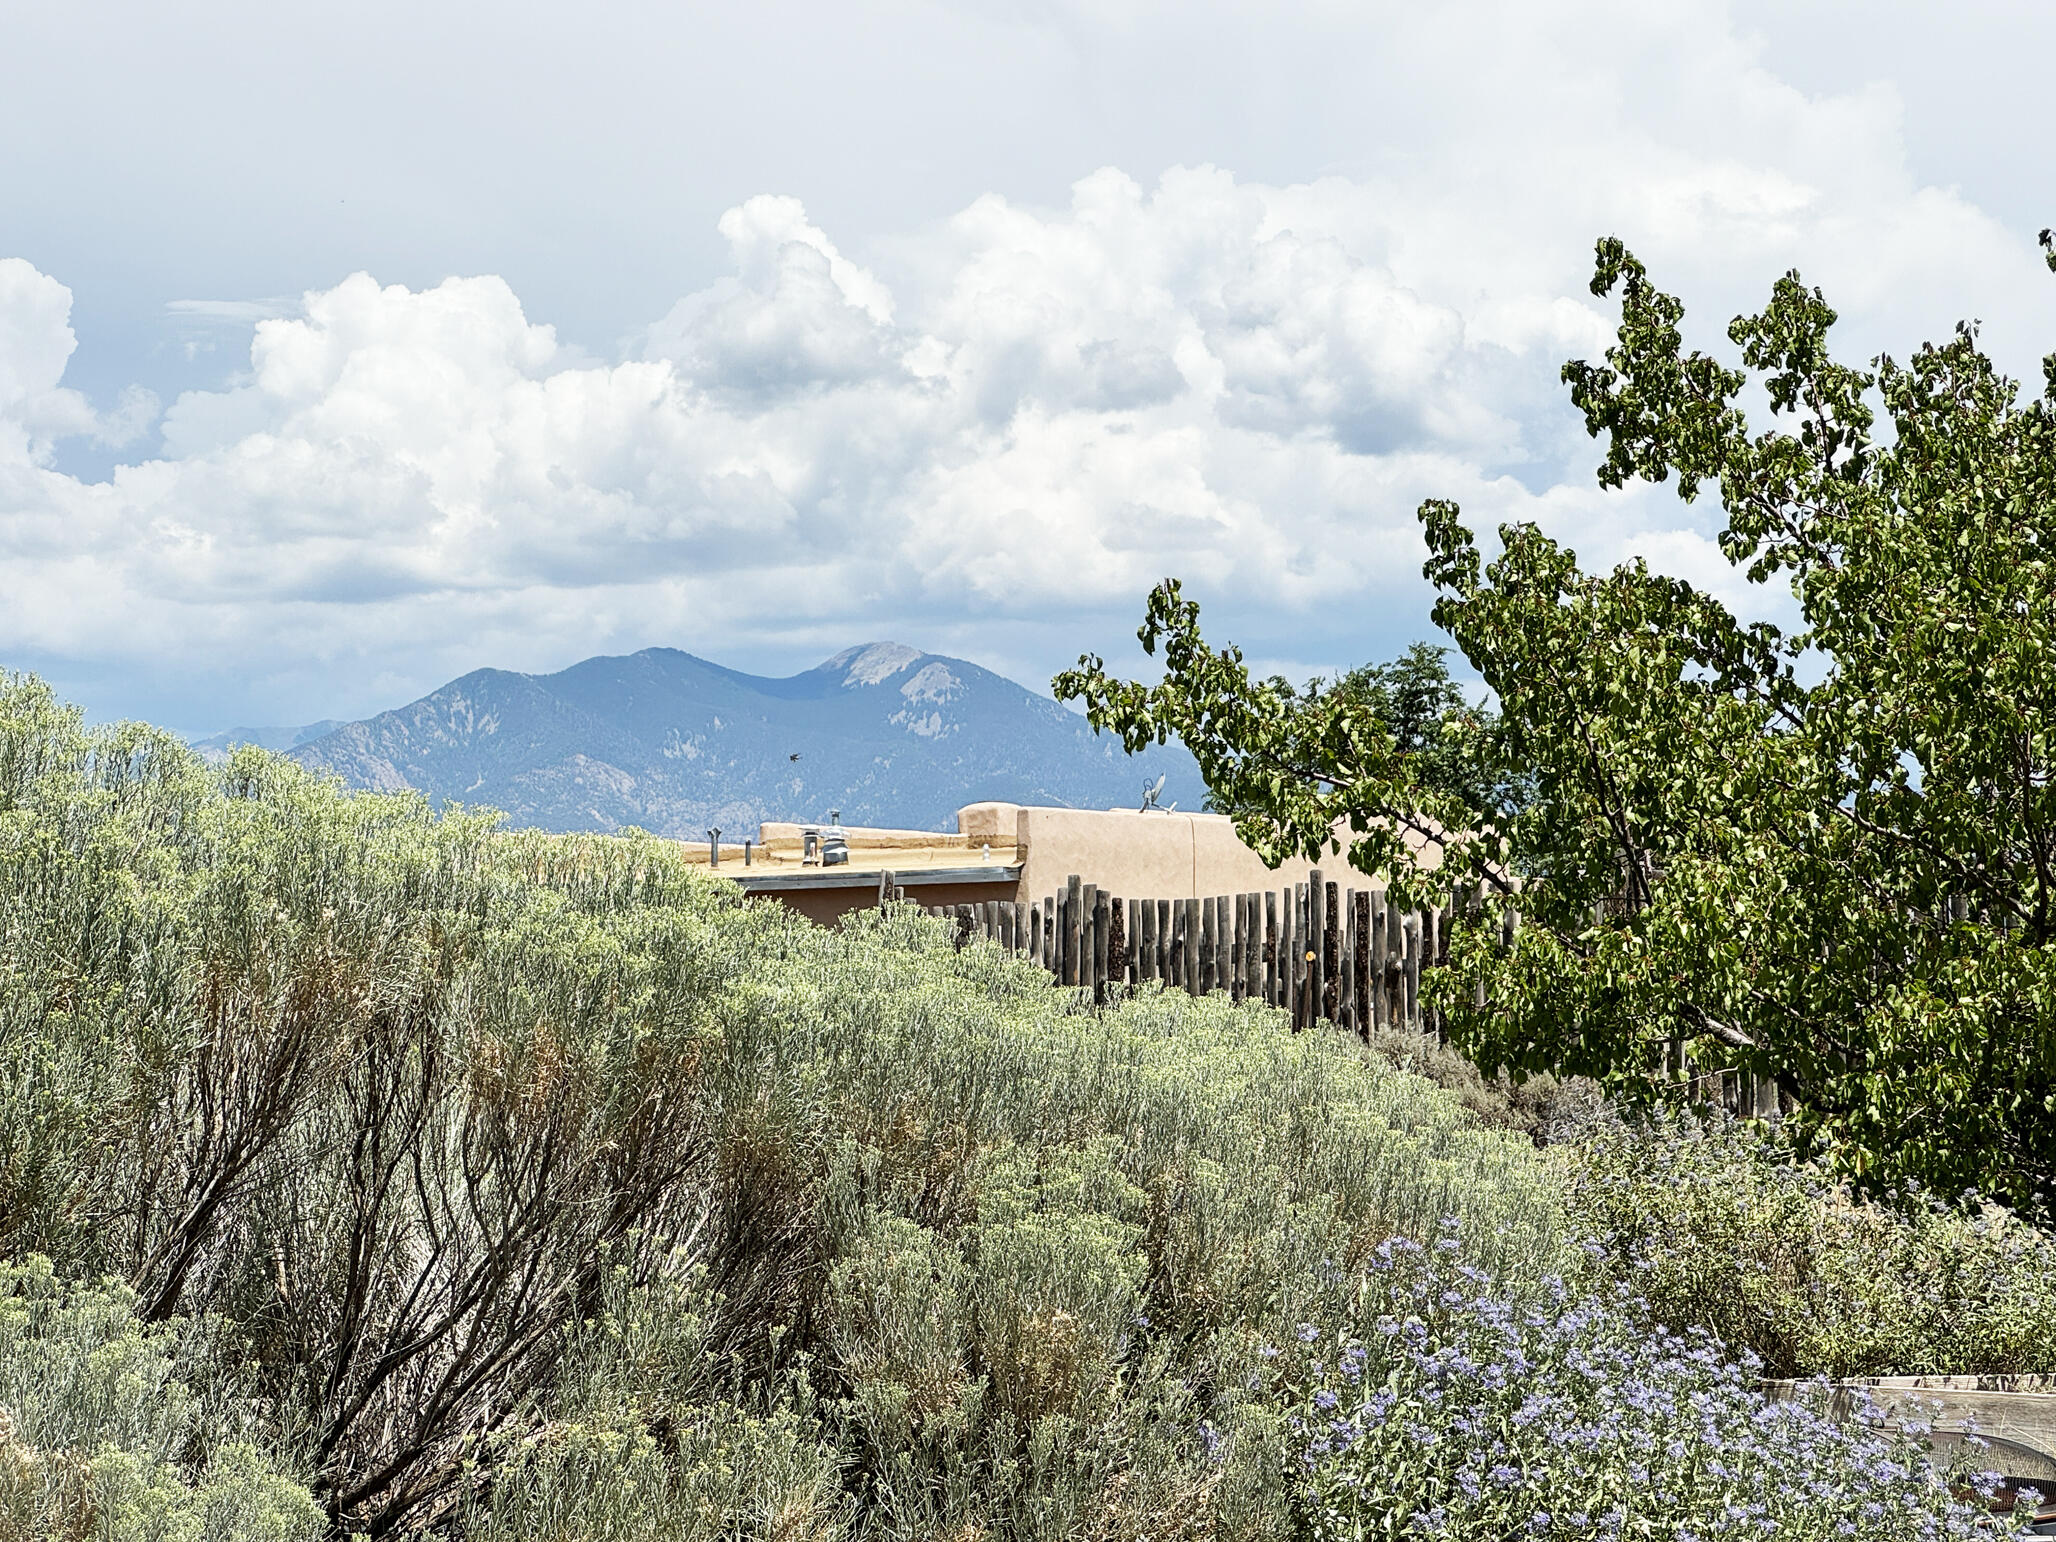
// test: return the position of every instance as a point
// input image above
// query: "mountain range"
(883, 733)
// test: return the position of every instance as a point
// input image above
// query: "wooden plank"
(1238, 937)
(1327, 953)
(1283, 952)
(1345, 962)
(1316, 938)
(1374, 958)
(1413, 970)
(1074, 927)
(1217, 969)
(1270, 947)
(1307, 960)
(1102, 940)
(1238, 945)
(1118, 949)
(1190, 908)
(1360, 962)
(1244, 944)
(1088, 942)
(1300, 961)
(1395, 950)
(2016, 1415)
(1253, 954)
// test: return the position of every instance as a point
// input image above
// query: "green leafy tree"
(1441, 734)
(1824, 855)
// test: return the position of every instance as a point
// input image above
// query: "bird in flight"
(795, 755)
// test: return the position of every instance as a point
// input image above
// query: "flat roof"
(755, 880)
(912, 856)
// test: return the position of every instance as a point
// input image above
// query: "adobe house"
(1005, 851)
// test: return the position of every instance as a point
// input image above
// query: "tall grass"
(548, 1190)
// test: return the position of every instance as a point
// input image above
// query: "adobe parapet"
(1012, 852)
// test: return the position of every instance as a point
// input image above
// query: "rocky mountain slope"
(884, 733)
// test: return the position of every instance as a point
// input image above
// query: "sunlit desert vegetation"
(367, 1169)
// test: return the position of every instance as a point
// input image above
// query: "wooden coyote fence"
(1316, 950)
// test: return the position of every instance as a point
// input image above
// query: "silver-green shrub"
(1719, 1225)
(552, 1190)
(113, 1429)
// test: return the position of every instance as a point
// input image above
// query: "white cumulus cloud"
(1004, 425)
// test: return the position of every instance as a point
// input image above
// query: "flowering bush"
(1450, 1410)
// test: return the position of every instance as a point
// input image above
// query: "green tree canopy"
(1421, 709)
(1824, 854)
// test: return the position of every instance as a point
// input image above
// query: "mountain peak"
(676, 744)
(872, 663)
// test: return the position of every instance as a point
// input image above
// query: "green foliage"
(1443, 738)
(550, 1190)
(1720, 1227)
(120, 1431)
(1826, 857)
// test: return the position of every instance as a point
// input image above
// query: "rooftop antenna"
(1150, 794)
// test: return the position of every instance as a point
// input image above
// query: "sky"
(347, 348)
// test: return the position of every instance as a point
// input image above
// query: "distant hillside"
(661, 739)
(215, 747)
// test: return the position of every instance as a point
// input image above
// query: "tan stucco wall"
(1140, 856)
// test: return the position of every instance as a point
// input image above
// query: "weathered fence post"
(1102, 928)
(1271, 947)
(1345, 961)
(1413, 971)
(1316, 939)
(1190, 909)
(1236, 930)
(1074, 927)
(1296, 957)
(1253, 952)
